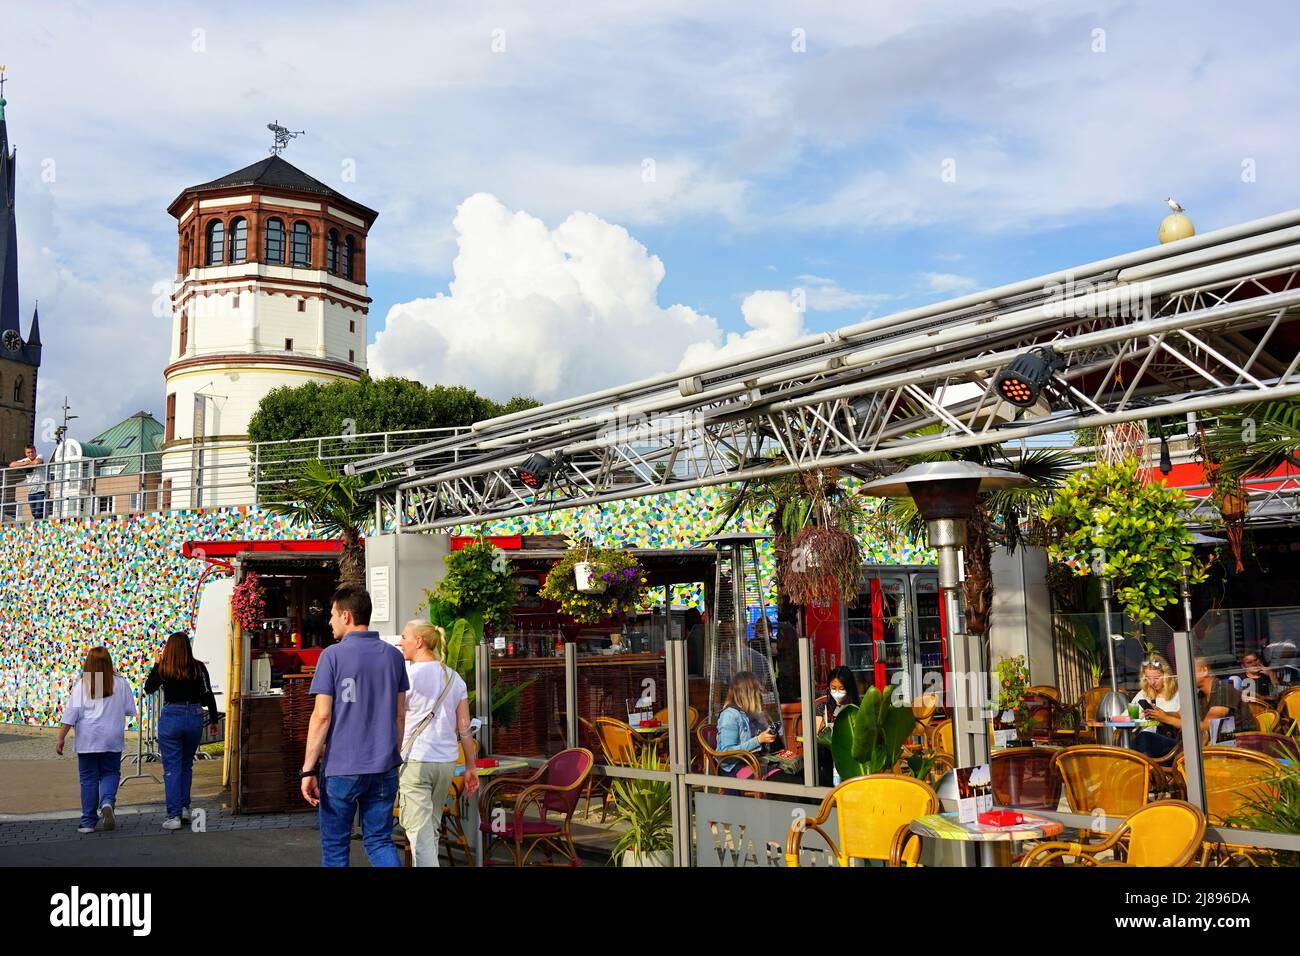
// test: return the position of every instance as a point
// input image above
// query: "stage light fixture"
(1021, 382)
(535, 470)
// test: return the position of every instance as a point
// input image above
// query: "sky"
(571, 196)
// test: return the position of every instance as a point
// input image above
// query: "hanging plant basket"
(586, 576)
(822, 563)
(619, 577)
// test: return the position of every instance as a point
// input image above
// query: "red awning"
(229, 549)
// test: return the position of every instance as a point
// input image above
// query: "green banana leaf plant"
(463, 635)
(869, 737)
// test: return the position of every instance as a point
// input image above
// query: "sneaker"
(85, 829)
(110, 820)
(185, 815)
(172, 823)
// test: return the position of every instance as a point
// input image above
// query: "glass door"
(931, 648)
(893, 656)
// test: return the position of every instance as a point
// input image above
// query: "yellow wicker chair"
(874, 814)
(1268, 721)
(1288, 709)
(1233, 776)
(940, 738)
(1167, 833)
(1112, 780)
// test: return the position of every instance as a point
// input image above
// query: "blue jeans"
(179, 731)
(1152, 744)
(340, 796)
(99, 776)
(36, 504)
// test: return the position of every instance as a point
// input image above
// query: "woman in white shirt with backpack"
(437, 718)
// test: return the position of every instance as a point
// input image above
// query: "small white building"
(272, 292)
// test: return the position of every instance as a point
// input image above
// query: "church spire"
(8, 226)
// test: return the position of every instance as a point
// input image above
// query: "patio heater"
(1114, 703)
(945, 493)
(739, 593)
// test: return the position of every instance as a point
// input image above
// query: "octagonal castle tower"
(272, 292)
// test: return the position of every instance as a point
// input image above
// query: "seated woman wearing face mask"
(841, 690)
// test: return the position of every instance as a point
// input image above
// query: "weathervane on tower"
(282, 137)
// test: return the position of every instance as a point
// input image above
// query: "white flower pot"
(658, 859)
(584, 574)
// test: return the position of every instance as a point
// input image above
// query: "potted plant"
(1134, 527)
(248, 602)
(869, 738)
(617, 574)
(1013, 679)
(479, 583)
(645, 808)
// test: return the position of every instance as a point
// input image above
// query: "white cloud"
(948, 282)
(826, 295)
(772, 320)
(538, 311)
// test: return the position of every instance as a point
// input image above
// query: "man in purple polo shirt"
(360, 686)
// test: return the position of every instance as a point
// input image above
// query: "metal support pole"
(806, 691)
(970, 739)
(1110, 634)
(679, 747)
(571, 693)
(1185, 658)
(483, 695)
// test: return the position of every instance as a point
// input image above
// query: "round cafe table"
(994, 842)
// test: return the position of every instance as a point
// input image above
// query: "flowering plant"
(248, 602)
(1013, 679)
(619, 571)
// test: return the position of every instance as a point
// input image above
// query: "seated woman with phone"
(1157, 700)
(743, 724)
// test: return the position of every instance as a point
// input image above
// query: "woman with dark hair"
(186, 689)
(841, 690)
(96, 711)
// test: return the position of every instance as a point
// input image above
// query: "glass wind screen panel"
(1248, 696)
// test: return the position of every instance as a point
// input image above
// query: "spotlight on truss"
(1021, 382)
(536, 469)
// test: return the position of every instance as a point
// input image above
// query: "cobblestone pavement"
(20, 830)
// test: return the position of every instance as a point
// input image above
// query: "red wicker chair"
(555, 789)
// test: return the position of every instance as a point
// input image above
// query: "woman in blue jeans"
(186, 691)
(96, 713)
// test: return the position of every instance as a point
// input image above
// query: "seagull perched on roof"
(1173, 204)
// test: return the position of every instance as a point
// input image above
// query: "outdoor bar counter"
(605, 685)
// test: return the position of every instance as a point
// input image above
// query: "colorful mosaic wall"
(116, 580)
(679, 520)
(121, 580)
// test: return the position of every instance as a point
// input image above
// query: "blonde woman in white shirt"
(1160, 689)
(437, 718)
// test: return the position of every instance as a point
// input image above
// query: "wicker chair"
(1288, 709)
(1085, 709)
(940, 738)
(1026, 778)
(1268, 722)
(618, 748)
(707, 735)
(874, 816)
(1167, 833)
(1277, 746)
(1047, 690)
(555, 788)
(1111, 780)
(1233, 776)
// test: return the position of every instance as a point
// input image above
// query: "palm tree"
(1254, 440)
(333, 504)
(1008, 518)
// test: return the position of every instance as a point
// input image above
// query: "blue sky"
(792, 150)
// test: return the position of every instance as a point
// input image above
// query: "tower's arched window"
(18, 389)
(332, 251)
(216, 242)
(349, 246)
(300, 247)
(238, 239)
(274, 241)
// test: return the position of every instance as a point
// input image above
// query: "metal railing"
(185, 476)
